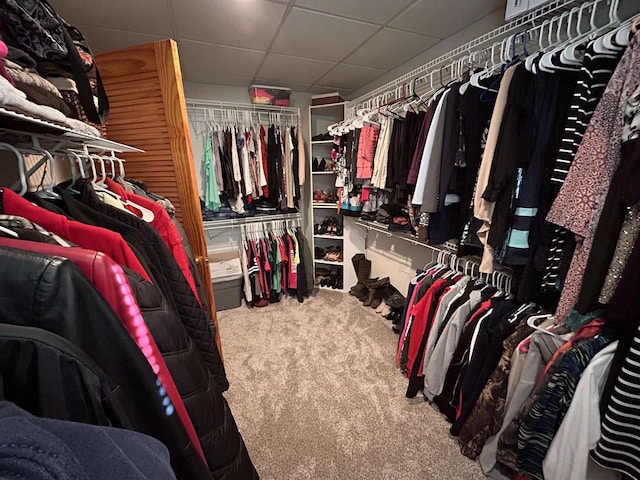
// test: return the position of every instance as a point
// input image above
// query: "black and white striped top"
(620, 430)
(594, 75)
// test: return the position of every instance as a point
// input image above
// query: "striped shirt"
(541, 424)
(620, 440)
(592, 81)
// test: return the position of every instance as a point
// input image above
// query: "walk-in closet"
(328, 240)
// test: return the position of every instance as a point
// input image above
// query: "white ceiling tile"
(104, 39)
(245, 24)
(350, 76)
(442, 19)
(320, 36)
(389, 48)
(203, 62)
(143, 16)
(297, 69)
(376, 11)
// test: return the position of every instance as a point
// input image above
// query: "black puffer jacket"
(221, 442)
(169, 275)
(52, 294)
(199, 388)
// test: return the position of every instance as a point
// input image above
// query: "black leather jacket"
(52, 294)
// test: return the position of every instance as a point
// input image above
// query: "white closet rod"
(529, 20)
(204, 111)
(241, 106)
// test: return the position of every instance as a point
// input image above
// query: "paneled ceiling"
(307, 45)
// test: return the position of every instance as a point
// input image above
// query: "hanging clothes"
(580, 200)
(212, 195)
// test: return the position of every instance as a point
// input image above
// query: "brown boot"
(363, 270)
(355, 260)
(374, 297)
(371, 286)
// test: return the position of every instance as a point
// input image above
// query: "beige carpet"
(316, 395)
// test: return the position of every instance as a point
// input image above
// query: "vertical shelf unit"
(320, 117)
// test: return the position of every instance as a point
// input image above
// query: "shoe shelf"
(320, 117)
(328, 262)
(330, 237)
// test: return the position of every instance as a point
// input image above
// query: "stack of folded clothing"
(47, 70)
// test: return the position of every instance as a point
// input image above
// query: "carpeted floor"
(316, 395)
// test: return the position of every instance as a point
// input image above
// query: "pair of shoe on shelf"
(322, 136)
(321, 165)
(329, 254)
(329, 226)
(329, 278)
(333, 253)
(330, 196)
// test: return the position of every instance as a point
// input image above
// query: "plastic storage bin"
(226, 277)
(265, 95)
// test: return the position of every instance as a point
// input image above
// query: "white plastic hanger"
(531, 322)
(486, 73)
(546, 62)
(21, 172)
(101, 188)
(47, 192)
(599, 45)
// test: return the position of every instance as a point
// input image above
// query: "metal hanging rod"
(245, 107)
(236, 222)
(381, 228)
(204, 112)
(530, 20)
(446, 252)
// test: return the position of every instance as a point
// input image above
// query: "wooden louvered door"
(148, 111)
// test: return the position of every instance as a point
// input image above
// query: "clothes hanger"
(47, 192)
(571, 52)
(22, 182)
(599, 45)
(531, 322)
(529, 61)
(593, 31)
(101, 188)
(545, 63)
(120, 165)
(483, 74)
(75, 158)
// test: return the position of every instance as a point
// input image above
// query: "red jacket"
(165, 227)
(85, 236)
